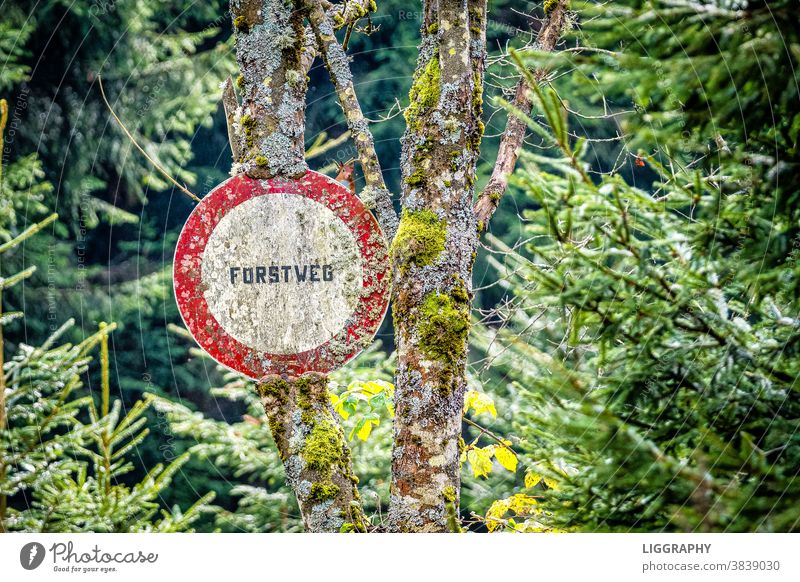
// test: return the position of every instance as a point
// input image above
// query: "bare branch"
(375, 194)
(229, 104)
(322, 144)
(514, 134)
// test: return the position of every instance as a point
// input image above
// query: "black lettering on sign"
(271, 274)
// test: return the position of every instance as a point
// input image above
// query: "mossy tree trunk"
(432, 255)
(268, 130)
(314, 452)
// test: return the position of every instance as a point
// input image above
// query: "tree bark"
(433, 254)
(269, 133)
(270, 123)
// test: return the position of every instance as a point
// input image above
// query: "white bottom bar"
(306, 557)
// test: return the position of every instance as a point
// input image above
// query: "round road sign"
(281, 276)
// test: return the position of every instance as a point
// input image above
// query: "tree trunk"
(270, 124)
(433, 253)
(314, 452)
(269, 129)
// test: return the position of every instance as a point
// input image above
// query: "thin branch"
(489, 434)
(514, 134)
(27, 233)
(341, 15)
(322, 144)
(155, 164)
(229, 104)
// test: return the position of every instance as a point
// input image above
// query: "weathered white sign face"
(287, 256)
(281, 276)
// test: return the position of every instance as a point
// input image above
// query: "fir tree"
(654, 304)
(63, 459)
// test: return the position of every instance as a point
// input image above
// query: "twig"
(229, 104)
(155, 164)
(322, 144)
(490, 434)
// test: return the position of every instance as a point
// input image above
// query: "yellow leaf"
(531, 479)
(495, 514)
(338, 406)
(521, 504)
(552, 483)
(479, 402)
(481, 461)
(365, 430)
(506, 458)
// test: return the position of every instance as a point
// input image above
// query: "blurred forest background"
(636, 332)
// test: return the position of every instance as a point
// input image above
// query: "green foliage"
(161, 78)
(658, 323)
(63, 462)
(375, 398)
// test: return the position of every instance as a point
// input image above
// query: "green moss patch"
(420, 238)
(425, 91)
(323, 447)
(321, 492)
(443, 325)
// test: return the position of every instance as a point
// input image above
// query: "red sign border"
(359, 329)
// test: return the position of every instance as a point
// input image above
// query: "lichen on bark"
(270, 122)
